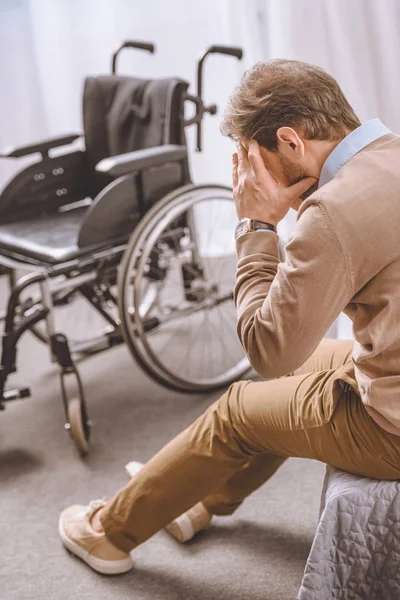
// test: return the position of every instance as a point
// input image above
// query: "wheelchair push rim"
(188, 340)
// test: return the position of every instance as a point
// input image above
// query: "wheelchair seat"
(47, 238)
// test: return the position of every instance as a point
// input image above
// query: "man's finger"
(296, 190)
(243, 162)
(235, 163)
(256, 161)
(257, 164)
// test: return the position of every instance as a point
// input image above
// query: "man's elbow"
(267, 368)
(265, 357)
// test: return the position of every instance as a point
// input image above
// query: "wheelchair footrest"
(17, 394)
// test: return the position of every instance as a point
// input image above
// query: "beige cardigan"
(344, 255)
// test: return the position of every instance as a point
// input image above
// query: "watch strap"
(256, 225)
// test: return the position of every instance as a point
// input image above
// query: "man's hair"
(287, 93)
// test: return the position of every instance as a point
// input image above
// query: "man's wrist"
(252, 225)
(264, 219)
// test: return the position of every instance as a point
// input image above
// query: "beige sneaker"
(79, 537)
(185, 527)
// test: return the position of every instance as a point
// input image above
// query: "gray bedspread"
(356, 550)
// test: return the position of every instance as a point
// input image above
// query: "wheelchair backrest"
(124, 114)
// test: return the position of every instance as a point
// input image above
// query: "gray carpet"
(258, 554)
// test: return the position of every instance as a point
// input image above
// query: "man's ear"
(290, 143)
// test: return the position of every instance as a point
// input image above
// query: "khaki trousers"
(244, 437)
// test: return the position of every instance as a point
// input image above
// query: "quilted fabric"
(356, 550)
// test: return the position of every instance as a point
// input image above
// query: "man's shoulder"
(373, 172)
(362, 204)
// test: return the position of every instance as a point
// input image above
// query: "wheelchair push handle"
(228, 50)
(147, 46)
(139, 45)
(234, 51)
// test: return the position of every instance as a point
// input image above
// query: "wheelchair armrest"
(42, 147)
(122, 164)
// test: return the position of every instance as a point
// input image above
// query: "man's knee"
(218, 427)
(228, 414)
(229, 406)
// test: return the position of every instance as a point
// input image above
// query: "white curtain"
(47, 47)
(357, 41)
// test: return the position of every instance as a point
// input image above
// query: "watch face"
(241, 228)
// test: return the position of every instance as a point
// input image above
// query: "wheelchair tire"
(73, 397)
(156, 232)
(77, 427)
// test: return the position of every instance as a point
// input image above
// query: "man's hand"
(257, 195)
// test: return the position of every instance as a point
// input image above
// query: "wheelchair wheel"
(184, 248)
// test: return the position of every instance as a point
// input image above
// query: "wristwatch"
(249, 225)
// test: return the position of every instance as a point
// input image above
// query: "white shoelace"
(93, 505)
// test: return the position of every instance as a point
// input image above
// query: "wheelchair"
(118, 245)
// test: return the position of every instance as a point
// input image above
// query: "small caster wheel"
(78, 426)
(77, 423)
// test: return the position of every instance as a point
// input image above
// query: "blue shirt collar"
(349, 146)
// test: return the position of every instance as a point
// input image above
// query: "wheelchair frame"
(84, 274)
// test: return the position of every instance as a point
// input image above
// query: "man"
(299, 145)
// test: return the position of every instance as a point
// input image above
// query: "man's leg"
(330, 354)
(304, 415)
